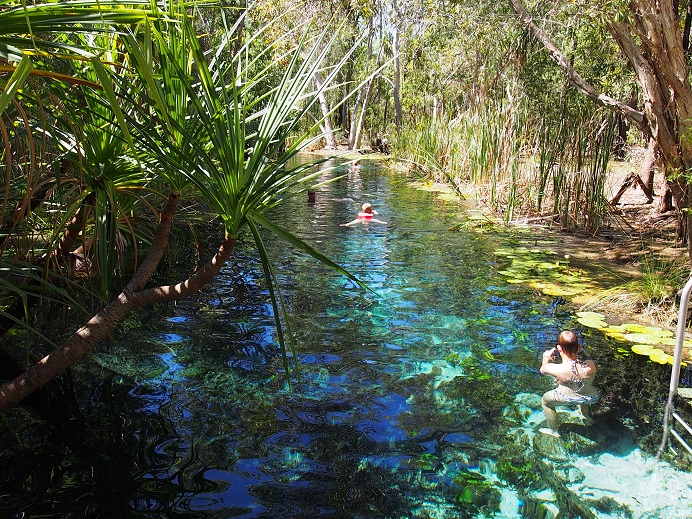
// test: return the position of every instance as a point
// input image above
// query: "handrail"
(677, 361)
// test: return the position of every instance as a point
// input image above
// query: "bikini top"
(575, 382)
(365, 216)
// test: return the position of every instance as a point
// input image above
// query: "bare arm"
(548, 367)
(353, 222)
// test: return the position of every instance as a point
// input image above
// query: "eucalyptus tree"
(653, 38)
(209, 127)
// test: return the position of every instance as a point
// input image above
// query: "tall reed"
(552, 166)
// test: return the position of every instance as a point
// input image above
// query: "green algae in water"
(477, 494)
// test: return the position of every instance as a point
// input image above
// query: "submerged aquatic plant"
(519, 472)
(477, 494)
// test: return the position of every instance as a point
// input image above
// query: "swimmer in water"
(366, 215)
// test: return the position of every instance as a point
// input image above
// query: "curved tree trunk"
(103, 323)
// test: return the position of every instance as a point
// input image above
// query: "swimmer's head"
(367, 208)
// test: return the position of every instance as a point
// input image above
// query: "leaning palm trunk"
(97, 328)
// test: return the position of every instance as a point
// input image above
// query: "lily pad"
(643, 338)
(672, 341)
(592, 320)
(448, 197)
(661, 358)
(558, 291)
(643, 349)
(648, 330)
(616, 329)
(590, 314)
(511, 273)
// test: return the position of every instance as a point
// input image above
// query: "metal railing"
(675, 379)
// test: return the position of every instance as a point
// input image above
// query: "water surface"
(407, 391)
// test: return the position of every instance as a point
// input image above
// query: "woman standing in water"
(574, 378)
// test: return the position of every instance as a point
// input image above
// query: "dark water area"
(404, 390)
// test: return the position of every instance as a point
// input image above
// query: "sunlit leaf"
(643, 349)
(643, 338)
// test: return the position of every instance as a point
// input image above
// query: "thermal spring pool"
(418, 398)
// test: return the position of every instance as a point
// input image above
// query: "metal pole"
(677, 360)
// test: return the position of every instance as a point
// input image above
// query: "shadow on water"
(418, 399)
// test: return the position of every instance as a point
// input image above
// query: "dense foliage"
(115, 114)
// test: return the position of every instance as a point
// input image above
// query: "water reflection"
(408, 394)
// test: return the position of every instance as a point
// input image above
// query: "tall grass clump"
(552, 167)
(570, 169)
(476, 148)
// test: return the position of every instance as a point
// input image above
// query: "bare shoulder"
(589, 367)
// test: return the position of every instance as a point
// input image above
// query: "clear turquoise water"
(402, 389)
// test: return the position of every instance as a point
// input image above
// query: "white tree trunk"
(397, 67)
(326, 125)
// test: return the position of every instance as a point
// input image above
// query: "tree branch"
(635, 116)
(104, 322)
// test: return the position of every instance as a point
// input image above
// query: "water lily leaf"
(592, 320)
(661, 358)
(511, 273)
(616, 330)
(668, 341)
(640, 328)
(643, 349)
(546, 265)
(448, 197)
(553, 289)
(643, 338)
(649, 330)
(591, 314)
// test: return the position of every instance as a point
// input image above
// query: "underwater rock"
(531, 400)
(550, 447)
(610, 506)
(580, 445)
(569, 474)
(539, 509)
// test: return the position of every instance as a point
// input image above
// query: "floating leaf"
(448, 197)
(590, 314)
(672, 341)
(592, 320)
(643, 349)
(649, 330)
(557, 291)
(511, 273)
(616, 330)
(661, 358)
(546, 265)
(643, 338)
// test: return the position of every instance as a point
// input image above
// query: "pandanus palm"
(36, 41)
(228, 141)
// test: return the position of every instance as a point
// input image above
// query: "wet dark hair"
(569, 342)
